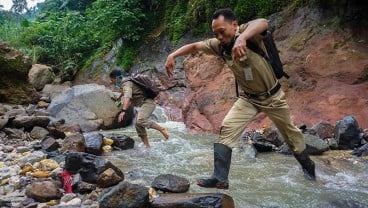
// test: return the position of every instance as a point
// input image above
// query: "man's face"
(224, 30)
(113, 80)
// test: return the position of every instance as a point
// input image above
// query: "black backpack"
(146, 84)
(272, 55)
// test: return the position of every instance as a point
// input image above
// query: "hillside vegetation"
(69, 34)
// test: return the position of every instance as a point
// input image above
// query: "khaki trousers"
(275, 107)
(142, 119)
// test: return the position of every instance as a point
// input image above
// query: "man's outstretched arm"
(254, 27)
(184, 50)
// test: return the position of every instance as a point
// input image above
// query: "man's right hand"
(170, 65)
(121, 116)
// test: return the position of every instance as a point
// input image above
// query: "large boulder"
(14, 86)
(124, 195)
(40, 75)
(171, 183)
(347, 133)
(193, 200)
(90, 167)
(89, 106)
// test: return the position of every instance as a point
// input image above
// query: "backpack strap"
(256, 49)
(236, 87)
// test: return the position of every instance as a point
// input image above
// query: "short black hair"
(115, 73)
(226, 12)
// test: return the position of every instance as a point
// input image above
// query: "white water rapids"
(269, 180)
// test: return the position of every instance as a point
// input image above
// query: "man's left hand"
(239, 49)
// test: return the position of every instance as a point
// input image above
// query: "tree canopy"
(66, 33)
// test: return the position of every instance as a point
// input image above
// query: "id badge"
(248, 73)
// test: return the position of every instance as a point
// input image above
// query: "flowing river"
(270, 180)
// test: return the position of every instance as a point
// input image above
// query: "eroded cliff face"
(328, 65)
(14, 85)
(327, 62)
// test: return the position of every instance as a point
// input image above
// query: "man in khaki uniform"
(133, 94)
(260, 91)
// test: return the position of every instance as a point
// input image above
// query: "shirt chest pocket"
(241, 69)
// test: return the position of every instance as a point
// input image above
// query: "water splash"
(269, 180)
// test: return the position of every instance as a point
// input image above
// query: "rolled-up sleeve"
(127, 89)
(211, 46)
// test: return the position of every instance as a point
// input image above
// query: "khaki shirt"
(252, 72)
(134, 92)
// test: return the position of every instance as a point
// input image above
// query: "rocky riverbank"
(46, 162)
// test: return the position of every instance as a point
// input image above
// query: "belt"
(264, 95)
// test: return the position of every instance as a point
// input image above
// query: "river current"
(271, 180)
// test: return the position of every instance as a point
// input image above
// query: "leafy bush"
(63, 37)
(195, 15)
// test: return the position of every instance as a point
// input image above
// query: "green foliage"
(68, 33)
(10, 27)
(63, 38)
(195, 15)
(66, 37)
(127, 55)
(112, 19)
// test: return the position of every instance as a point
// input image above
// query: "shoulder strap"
(255, 48)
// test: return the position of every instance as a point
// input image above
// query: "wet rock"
(67, 197)
(260, 143)
(140, 177)
(88, 105)
(323, 130)
(332, 143)
(56, 133)
(7, 148)
(38, 133)
(108, 178)
(73, 143)
(14, 133)
(121, 142)
(315, 145)
(30, 109)
(84, 187)
(171, 183)
(5, 203)
(28, 122)
(69, 128)
(43, 104)
(124, 195)
(93, 143)
(40, 75)
(88, 166)
(29, 203)
(46, 165)
(50, 91)
(33, 157)
(348, 133)
(184, 200)
(43, 191)
(89, 204)
(284, 149)
(273, 136)
(361, 151)
(3, 121)
(49, 144)
(22, 149)
(76, 202)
